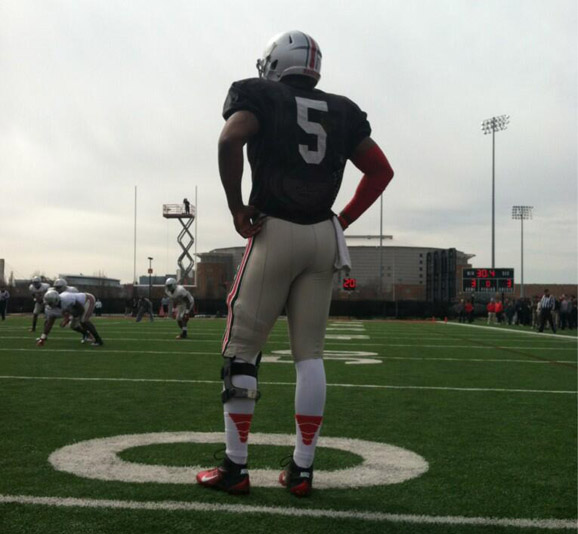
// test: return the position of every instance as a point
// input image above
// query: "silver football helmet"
(290, 53)
(60, 284)
(171, 284)
(52, 298)
(36, 282)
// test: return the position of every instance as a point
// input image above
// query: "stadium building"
(404, 273)
(80, 280)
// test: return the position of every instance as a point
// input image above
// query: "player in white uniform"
(183, 302)
(79, 305)
(52, 314)
(37, 288)
(61, 285)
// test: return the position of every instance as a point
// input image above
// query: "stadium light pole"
(150, 275)
(493, 125)
(522, 213)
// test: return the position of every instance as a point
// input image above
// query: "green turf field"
(461, 429)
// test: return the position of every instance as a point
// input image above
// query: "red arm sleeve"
(377, 174)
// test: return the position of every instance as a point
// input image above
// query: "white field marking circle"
(345, 328)
(345, 337)
(98, 458)
(346, 360)
(349, 357)
(344, 353)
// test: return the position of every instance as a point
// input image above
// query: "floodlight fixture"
(493, 125)
(522, 213)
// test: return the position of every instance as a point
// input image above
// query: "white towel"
(342, 259)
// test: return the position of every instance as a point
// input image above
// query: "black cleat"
(298, 480)
(228, 477)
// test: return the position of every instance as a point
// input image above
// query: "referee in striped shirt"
(546, 308)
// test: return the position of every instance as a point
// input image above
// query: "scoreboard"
(498, 280)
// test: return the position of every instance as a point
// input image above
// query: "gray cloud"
(99, 96)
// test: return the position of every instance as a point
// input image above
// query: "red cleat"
(298, 480)
(228, 477)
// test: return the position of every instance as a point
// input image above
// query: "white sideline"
(362, 386)
(290, 512)
(484, 327)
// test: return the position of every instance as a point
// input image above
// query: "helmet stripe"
(308, 51)
(313, 54)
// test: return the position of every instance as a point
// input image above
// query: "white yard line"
(508, 331)
(380, 517)
(373, 356)
(114, 351)
(328, 342)
(361, 386)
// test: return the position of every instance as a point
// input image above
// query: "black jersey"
(299, 155)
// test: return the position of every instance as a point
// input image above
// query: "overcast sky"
(100, 96)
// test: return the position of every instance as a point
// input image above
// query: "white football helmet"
(171, 284)
(52, 298)
(60, 284)
(290, 53)
(36, 282)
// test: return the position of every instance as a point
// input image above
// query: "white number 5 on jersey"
(314, 128)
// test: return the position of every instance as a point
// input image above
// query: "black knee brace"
(232, 368)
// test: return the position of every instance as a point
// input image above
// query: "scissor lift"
(185, 239)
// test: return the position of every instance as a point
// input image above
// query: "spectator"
(563, 313)
(4, 296)
(499, 311)
(546, 304)
(165, 306)
(572, 313)
(509, 311)
(556, 312)
(127, 307)
(536, 313)
(469, 309)
(461, 311)
(491, 307)
(98, 308)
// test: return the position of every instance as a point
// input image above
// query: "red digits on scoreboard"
(349, 283)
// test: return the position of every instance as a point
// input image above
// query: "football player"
(183, 303)
(145, 307)
(298, 139)
(37, 288)
(61, 285)
(80, 306)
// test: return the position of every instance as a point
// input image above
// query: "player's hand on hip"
(247, 222)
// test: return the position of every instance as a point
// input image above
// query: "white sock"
(238, 414)
(309, 406)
